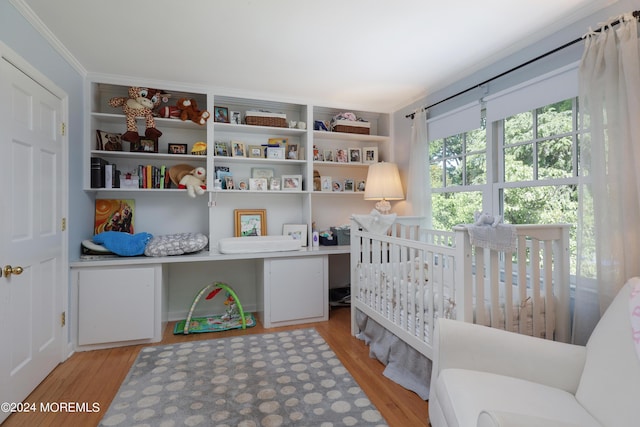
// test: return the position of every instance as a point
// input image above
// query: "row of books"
(107, 175)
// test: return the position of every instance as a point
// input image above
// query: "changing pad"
(253, 244)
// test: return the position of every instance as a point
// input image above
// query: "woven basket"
(277, 122)
(351, 129)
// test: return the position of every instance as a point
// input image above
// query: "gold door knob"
(8, 270)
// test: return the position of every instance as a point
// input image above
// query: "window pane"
(477, 140)
(435, 170)
(541, 205)
(518, 163)
(476, 169)
(451, 209)
(555, 159)
(454, 171)
(555, 119)
(436, 149)
(453, 145)
(518, 128)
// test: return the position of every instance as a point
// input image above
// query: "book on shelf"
(98, 172)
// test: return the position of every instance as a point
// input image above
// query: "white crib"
(408, 278)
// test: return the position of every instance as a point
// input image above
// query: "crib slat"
(493, 281)
(508, 292)
(549, 300)
(522, 283)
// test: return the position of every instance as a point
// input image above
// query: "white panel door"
(31, 238)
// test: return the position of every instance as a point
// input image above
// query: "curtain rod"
(636, 14)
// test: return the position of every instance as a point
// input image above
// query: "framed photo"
(221, 149)
(242, 185)
(258, 184)
(325, 183)
(256, 151)
(177, 149)
(275, 152)
(291, 182)
(292, 152)
(224, 177)
(278, 142)
(361, 185)
(262, 173)
(250, 222)
(274, 184)
(327, 155)
(348, 185)
(238, 149)
(221, 114)
(108, 141)
(370, 155)
(297, 231)
(336, 186)
(228, 183)
(355, 155)
(341, 156)
(146, 145)
(235, 117)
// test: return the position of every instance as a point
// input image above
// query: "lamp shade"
(383, 182)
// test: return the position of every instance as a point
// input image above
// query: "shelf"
(160, 122)
(148, 156)
(338, 193)
(266, 192)
(257, 130)
(256, 160)
(340, 136)
(341, 165)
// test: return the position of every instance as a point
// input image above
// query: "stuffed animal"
(194, 182)
(140, 103)
(484, 218)
(189, 111)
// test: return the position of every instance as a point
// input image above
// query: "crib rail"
(410, 277)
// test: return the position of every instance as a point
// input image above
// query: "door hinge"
(63, 319)
(63, 128)
(63, 225)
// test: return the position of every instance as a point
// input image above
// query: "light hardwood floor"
(95, 376)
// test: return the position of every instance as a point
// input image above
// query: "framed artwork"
(278, 142)
(291, 182)
(341, 156)
(221, 114)
(325, 183)
(235, 117)
(327, 155)
(238, 149)
(262, 173)
(348, 184)
(361, 185)
(370, 155)
(177, 149)
(108, 141)
(292, 152)
(275, 152)
(114, 215)
(256, 151)
(297, 231)
(250, 222)
(355, 155)
(274, 184)
(258, 184)
(336, 186)
(221, 149)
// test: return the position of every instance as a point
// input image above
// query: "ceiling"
(379, 55)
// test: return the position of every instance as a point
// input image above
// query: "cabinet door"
(297, 288)
(115, 305)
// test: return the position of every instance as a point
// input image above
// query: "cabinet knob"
(8, 270)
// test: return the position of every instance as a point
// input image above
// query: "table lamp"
(383, 184)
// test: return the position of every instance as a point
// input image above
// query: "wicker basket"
(351, 129)
(272, 121)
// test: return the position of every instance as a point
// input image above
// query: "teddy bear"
(484, 218)
(140, 103)
(189, 111)
(194, 182)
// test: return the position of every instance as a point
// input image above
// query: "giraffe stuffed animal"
(140, 103)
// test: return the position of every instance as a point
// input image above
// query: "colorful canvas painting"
(114, 215)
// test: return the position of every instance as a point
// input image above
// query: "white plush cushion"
(464, 394)
(375, 222)
(176, 244)
(257, 244)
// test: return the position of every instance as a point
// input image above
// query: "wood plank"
(95, 376)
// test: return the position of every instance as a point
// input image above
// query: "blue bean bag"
(123, 244)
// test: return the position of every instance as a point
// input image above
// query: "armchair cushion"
(511, 419)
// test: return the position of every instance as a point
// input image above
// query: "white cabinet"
(119, 305)
(293, 290)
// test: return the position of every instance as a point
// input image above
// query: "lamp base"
(383, 206)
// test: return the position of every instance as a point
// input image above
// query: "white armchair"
(485, 377)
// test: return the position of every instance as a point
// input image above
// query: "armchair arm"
(464, 345)
(509, 419)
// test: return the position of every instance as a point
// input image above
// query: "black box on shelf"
(326, 241)
(97, 172)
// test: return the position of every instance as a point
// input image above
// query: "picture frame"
(370, 155)
(235, 117)
(238, 149)
(291, 182)
(107, 141)
(297, 231)
(258, 184)
(349, 185)
(355, 155)
(336, 186)
(177, 148)
(228, 183)
(220, 114)
(256, 151)
(278, 142)
(342, 156)
(146, 145)
(243, 184)
(221, 149)
(274, 184)
(361, 186)
(327, 156)
(325, 183)
(250, 222)
(275, 153)
(292, 152)
(262, 173)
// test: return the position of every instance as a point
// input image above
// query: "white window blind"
(456, 121)
(547, 89)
